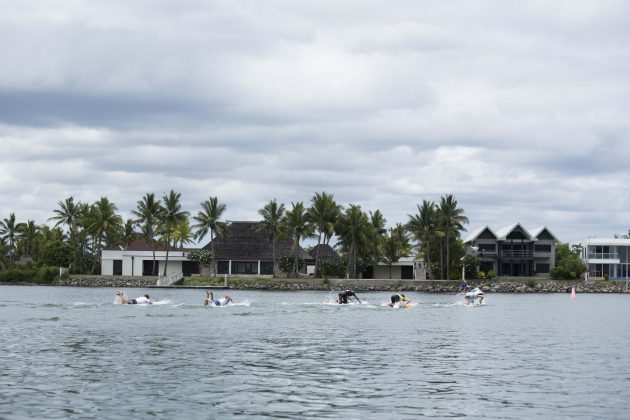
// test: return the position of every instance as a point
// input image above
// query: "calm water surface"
(72, 353)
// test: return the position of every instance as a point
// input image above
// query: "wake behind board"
(403, 305)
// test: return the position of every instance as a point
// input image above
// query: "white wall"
(382, 272)
(133, 261)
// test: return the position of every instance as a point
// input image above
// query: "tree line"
(81, 231)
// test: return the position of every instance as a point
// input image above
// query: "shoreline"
(526, 285)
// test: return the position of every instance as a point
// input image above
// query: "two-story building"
(513, 250)
(607, 257)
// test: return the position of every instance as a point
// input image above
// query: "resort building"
(246, 251)
(607, 257)
(243, 251)
(513, 250)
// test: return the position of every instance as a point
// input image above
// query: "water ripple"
(290, 356)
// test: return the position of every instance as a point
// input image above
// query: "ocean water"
(73, 353)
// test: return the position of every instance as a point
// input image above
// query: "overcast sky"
(520, 109)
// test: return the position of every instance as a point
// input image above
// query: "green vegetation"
(433, 227)
(202, 281)
(569, 265)
(208, 220)
(287, 264)
(56, 254)
(81, 231)
(201, 256)
(272, 225)
(471, 262)
(29, 274)
(331, 269)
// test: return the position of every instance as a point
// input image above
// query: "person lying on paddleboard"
(209, 300)
(343, 296)
(142, 300)
(398, 298)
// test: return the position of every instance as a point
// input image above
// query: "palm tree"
(9, 233)
(128, 233)
(376, 234)
(69, 214)
(148, 212)
(208, 220)
(171, 215)
(83, 237)
(102, 223)
(422, 226)
(182, 234)
(352, 229)
(271, 224)
(51, 235)
(395, 246)
(323, 212)
(28, 235)
(298, 224)
(452, 220)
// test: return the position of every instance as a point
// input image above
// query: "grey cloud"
(55, 108)
(519, 109)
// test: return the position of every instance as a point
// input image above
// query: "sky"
(520, 109)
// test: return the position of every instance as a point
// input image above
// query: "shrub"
(201, 256)
(531, 283)
(57, 254)
(481, 275)
(39, 275)
(330, 268)
(285, 263)
(492, 274)
(85, 265)
(569, 265)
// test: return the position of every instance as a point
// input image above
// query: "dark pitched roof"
(326, 253)
(244, 243)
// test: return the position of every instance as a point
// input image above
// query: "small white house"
(406, 268)
(137, 260)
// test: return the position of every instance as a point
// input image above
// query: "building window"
(487, 247)
(542, 248)
(542, 268)
(189, 268)
(266, 267)
(486, 266)
(244, 267)
(117, 268)
(148, 268)
(223, 267)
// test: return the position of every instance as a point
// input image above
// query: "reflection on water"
(72, 353)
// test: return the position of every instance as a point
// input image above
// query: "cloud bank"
(519, 109)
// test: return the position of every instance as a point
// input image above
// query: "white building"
(406, 268)
(607, 257)
(137, 260)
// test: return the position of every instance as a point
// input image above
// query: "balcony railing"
(603, 255)
(517, 253)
